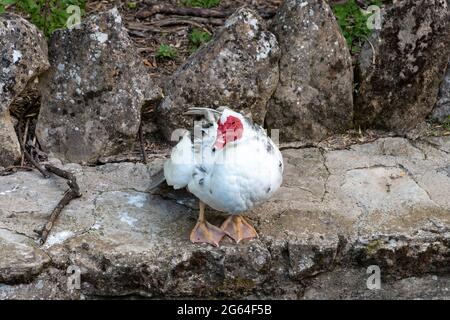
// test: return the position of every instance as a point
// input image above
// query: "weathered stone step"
(383, 203)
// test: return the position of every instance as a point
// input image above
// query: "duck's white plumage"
(235, 178)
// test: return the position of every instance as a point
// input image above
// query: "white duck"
(231, 165)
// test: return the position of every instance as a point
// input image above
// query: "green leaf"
(353, 23)
(201, 3)
(198, 37)
(166, 52)
(48, 15)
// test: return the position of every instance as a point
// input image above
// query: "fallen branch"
(206, 21)
(29, 157)
(142, 144)
(36, 164)
(24, 140)
(139, 31)
(157, 26)
(72, 193)
(196, 12)
(177, 21)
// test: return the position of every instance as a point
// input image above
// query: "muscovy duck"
(229, 164)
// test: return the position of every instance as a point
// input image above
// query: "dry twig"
(72, 193)
(29, 157)
(196, 12)
(177, 21)
(142, 143)
(24, 140)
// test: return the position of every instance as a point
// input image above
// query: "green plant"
(131, 5)
(198, 37)
(47, 15)
(201, 3)
(5, 3)
(446, 124)
(353, 23)
(166, 52)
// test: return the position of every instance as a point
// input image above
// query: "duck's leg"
(204, 232)
(237, 228)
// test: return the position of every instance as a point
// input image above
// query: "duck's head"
(231, 128)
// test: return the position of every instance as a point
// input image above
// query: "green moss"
(446, 123)
(237, 285)
(373, 246)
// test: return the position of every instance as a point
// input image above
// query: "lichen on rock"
(314, 97)
(93, 93)
(402, 65)
(237, 68)
(23, 56)
(441, 111)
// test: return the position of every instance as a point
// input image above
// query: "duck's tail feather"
(157, 180)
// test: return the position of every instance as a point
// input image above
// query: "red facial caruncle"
(231, 130)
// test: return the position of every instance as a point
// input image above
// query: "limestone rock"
(21, 259)
(349, 284)
(441, 111)
(411, 52)
(93, 93)
(315, 95)
(23, 56)
(237, 68)
(384, 202)
(9, 145)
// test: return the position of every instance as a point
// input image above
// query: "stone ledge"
(380, 203)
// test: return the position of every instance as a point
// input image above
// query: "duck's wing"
(194, 149)
(178, 169)
(156, 181)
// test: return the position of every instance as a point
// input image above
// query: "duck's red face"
(231, 130)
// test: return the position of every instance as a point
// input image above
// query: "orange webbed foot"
(237, 228)
(205, 232)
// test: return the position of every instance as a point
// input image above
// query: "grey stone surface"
(400, 70)
(93, 93)
(352, 284)
(337, 212)
(237, 68)
(441, 111)
(9, 144)
(23, 56)
(314, 97)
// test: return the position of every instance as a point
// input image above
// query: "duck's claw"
(204, 232)
(237, 228)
